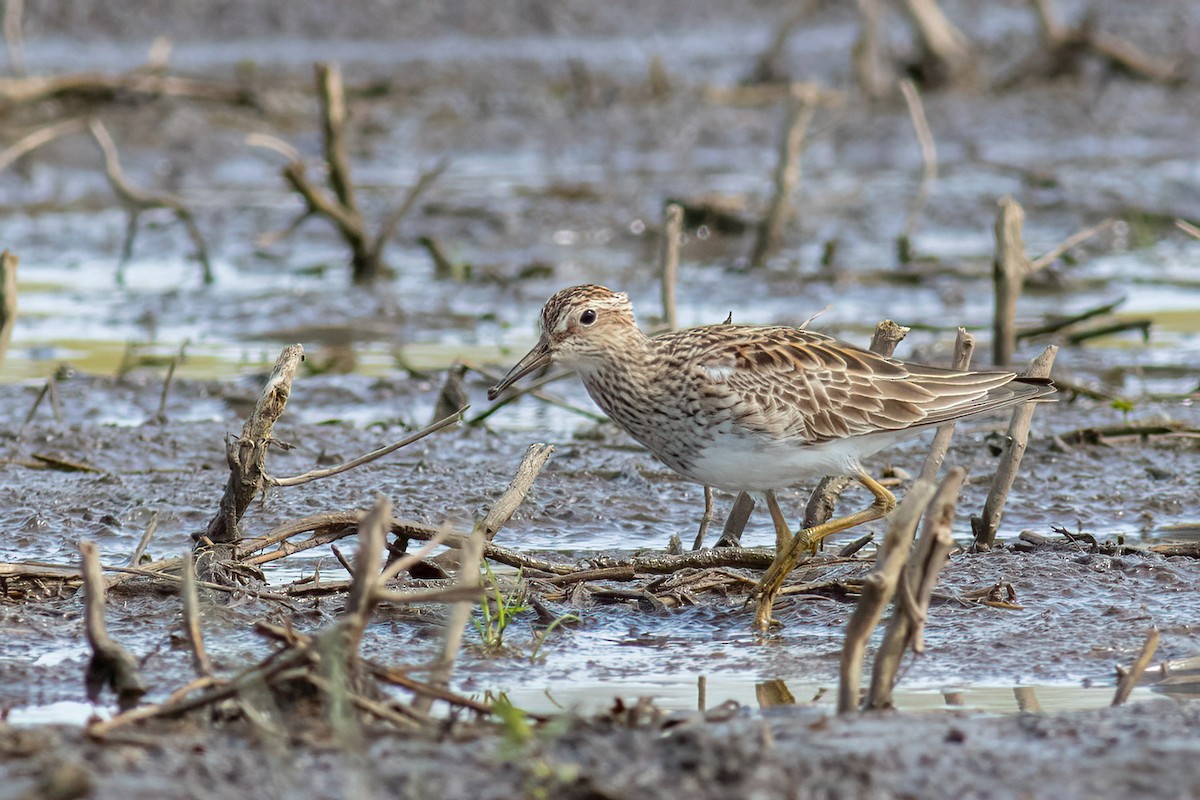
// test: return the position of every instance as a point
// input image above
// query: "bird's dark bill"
(535, 359)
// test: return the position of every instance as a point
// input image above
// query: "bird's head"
(580, 326)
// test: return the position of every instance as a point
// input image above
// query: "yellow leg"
(806, 540)
(783, 534)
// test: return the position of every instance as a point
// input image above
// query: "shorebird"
(757, 408)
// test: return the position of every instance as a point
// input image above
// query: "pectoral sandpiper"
(757, 408)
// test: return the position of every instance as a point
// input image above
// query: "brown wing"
(788, 382)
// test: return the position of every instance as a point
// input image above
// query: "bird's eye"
(587, 317)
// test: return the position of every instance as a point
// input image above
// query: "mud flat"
(1146, 750)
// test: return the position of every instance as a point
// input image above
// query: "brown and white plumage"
(753, 408)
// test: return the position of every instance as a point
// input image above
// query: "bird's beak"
(535, 359)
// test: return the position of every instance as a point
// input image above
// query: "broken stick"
(802, 105)
(111, 665)
(138, 200)
(8, 300)
(460, 613)
(987, 524)
(907, 626)
(246, 453)
(877, 591)
(502, 510)
(669, 261)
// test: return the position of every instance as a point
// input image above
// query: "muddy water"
(557, 181)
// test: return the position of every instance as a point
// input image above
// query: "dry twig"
(502, 510)
(138, 200)
(735, 522)
(1073, 240)
(907, 626)
(8, 302)
(1027, 702)
(191, 617)
(929, 158)
(111, 665)
(366, 252)
(1064, 46)
(97, 87)
(878, 589)
(802, 105)
(987, 524)
(144, 542)
(1056, 324)
(1188, 228)
(1129, 679)
(705, 519)
(669, 261)
(13, 11)
(42, 136)
(366, 575)
(887, 336)
(768, 68)
(374, 455)
(1010, 268)
(872, 68)
(468, 579)
(945, 52)
(246, 454)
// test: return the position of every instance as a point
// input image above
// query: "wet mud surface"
(1147, 750)
(562, 151)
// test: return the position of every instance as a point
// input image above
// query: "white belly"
(735, 463)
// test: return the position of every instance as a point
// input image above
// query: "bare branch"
(273, 143)
(669, 261)
(366, 573)
(8, 307)
(111, 665)
(144, 542)
(877, 591)
(888, 334)
(987, 524)
(13, 11)
(502, 510)
(1130, 679)
(333, 133)
(390, 223)
(138, 200)
(246, 453)
(317, 474)
(1068, 243)
(929, 158)
(191, 616)
(460, 613)
(1010, 267)
(907, 625)
(42, 136)
(1188, 228)
(802, 105)
(98, 86)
